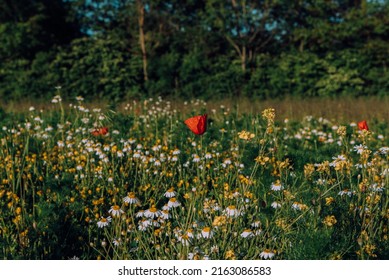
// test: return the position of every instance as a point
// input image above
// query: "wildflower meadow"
(157, 183)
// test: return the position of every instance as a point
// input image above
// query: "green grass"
(341, 109)
(59, 182)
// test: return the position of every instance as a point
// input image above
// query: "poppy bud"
(362, 125)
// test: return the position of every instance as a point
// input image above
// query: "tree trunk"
(244, 58)
(142, 40)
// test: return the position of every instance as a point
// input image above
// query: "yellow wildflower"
(230, 255)
(330, 221)
(245, 135)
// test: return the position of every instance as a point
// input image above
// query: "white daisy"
(165, 214)
(276, 186)
(267, 254)
(196, 158)
(115, 211)
(117, 241)
(345, 192)
(359, 148)
(170, 193)
(256, 224)
(131, 198)
(140, 214)
(206, 232)
(232, 211)
(247, 233)
(173, 202)
(184, 239)
(144, 224)
(104, 222)
(276, 205)
(152, 213)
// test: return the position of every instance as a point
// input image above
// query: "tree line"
(117, 49)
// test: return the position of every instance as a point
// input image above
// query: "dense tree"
(248, 26)
(208, 48)
(27, 27)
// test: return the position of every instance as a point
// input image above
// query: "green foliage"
(226, 80)
(98, 67)
(166, 66)
(193, 73)
(18, 40)
(208, 49)
(311, 244)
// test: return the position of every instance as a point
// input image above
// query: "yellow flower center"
(185, 236)
(131, 195)
(206, 229)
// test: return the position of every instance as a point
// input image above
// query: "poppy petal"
(103, 130)
(197, 124)
(95, 132)
(362, 125)
(100, 131)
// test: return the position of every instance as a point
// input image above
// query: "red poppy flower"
(95, 132)
(363, 125)
(103, 130)
(197, 124)
(100, 131)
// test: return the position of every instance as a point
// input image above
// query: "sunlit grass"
(342, 109)
(136, 183)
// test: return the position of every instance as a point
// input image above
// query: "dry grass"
(341, 109)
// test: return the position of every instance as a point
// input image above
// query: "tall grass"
(253, 186)
(342, 109)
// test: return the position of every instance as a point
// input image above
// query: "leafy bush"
(99, 67)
